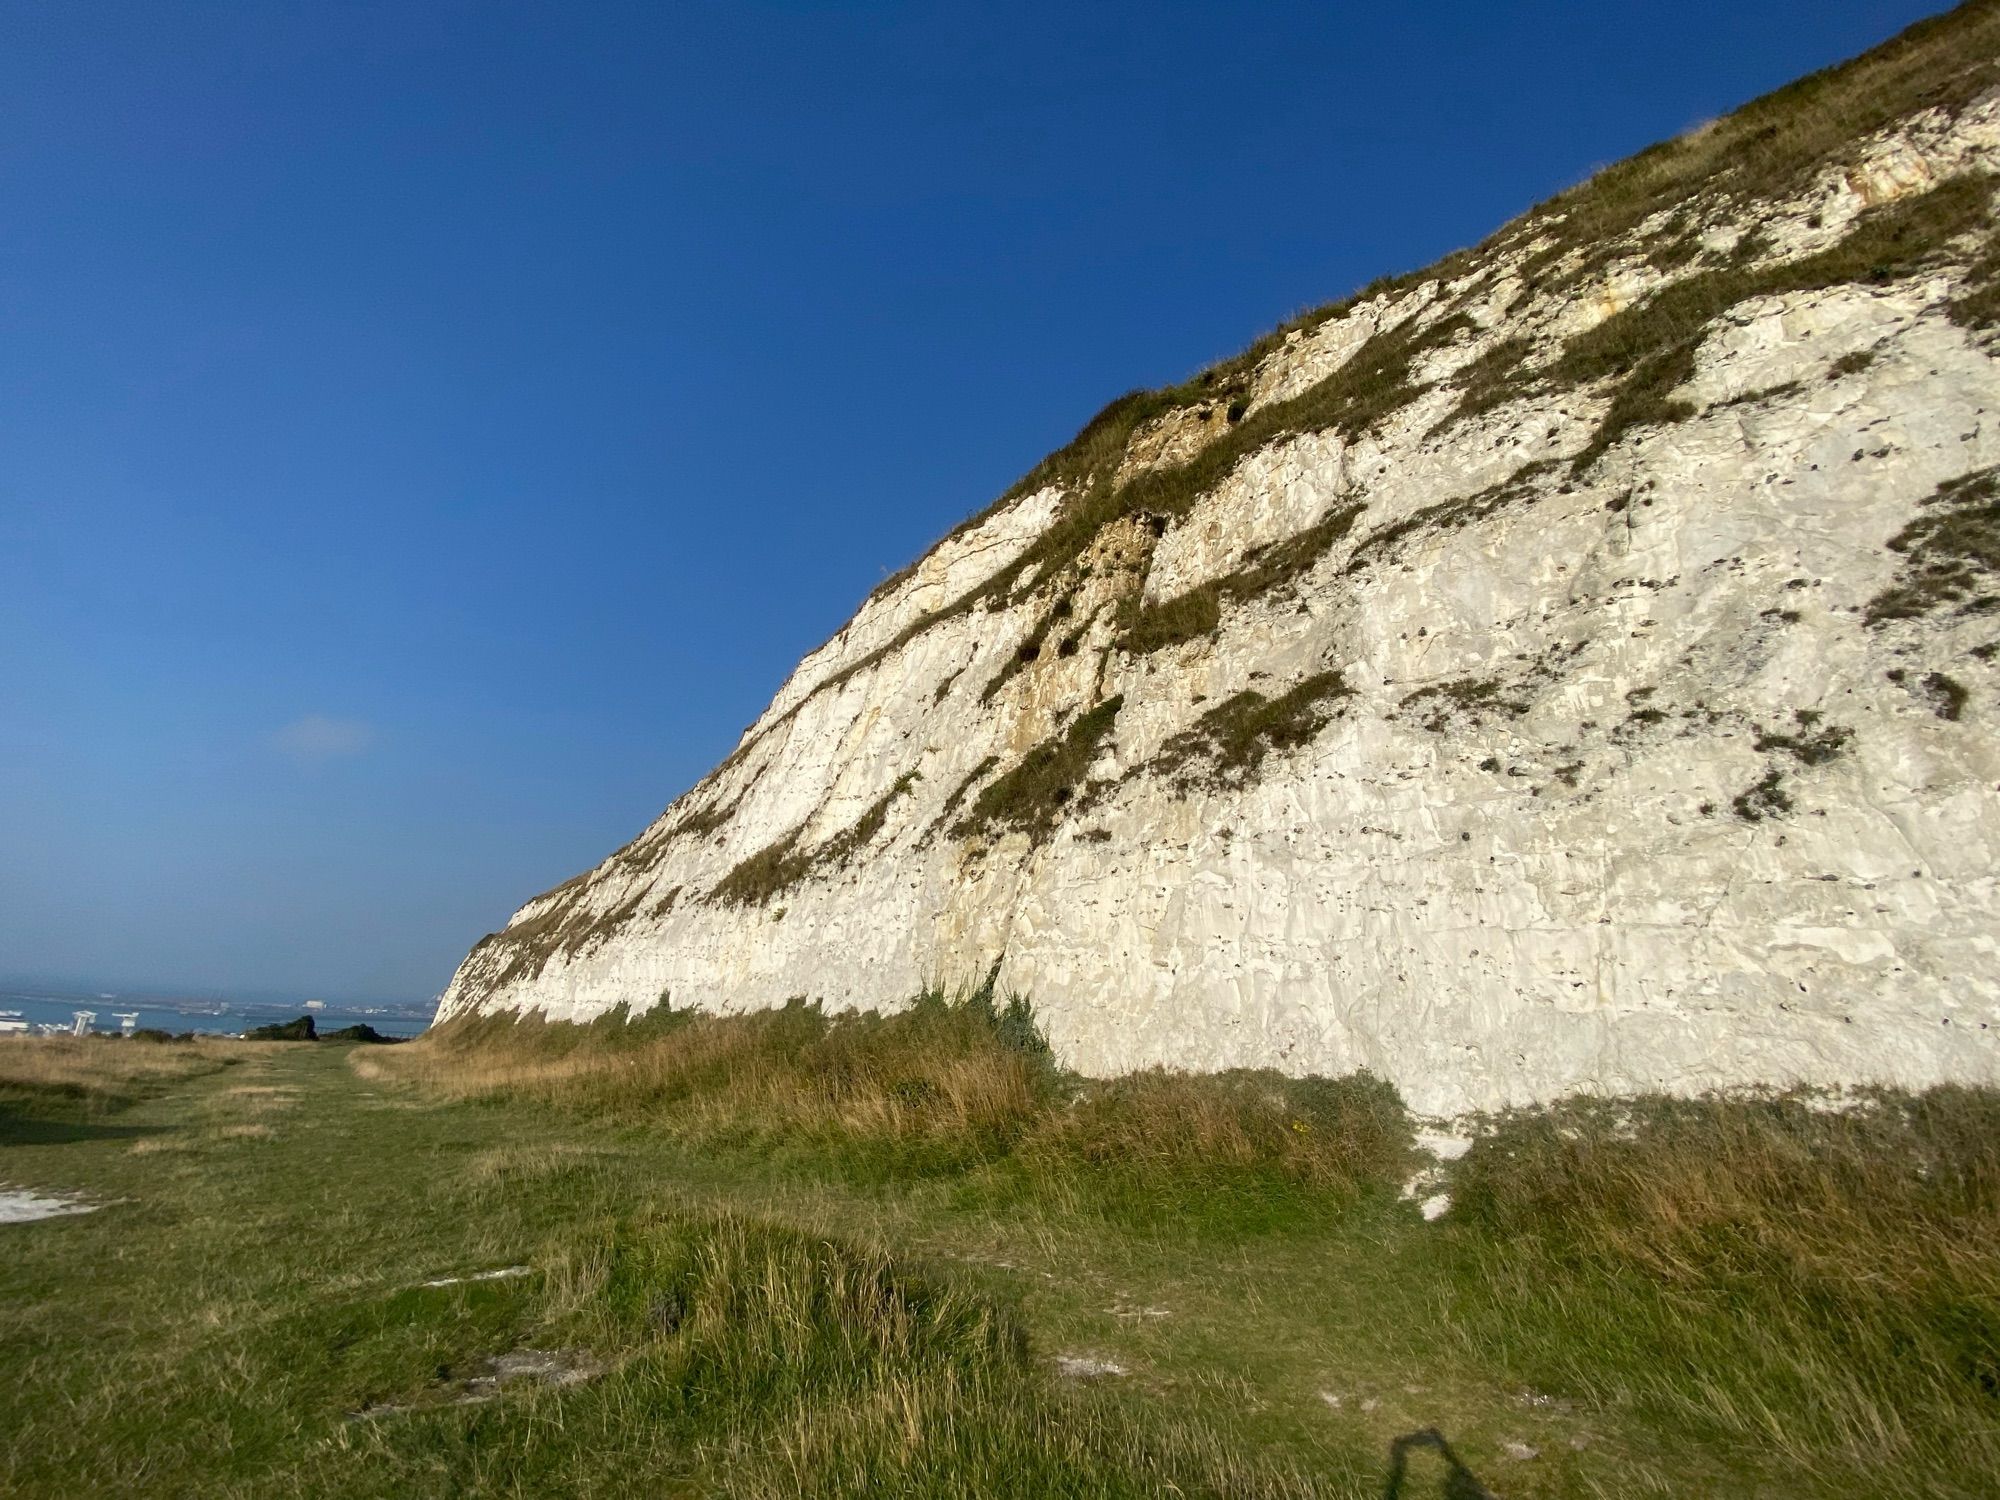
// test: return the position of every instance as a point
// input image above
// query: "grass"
(1945, 695)
(1388, 542)
(1033, 795)
(958, 793)
(1765, 150)
(1772, 145)
(1951, 552)
(1807, 741)
(1649, 348)
(942, 1087)
(1265, 569)
(929, 1086)
(87, 1077)
(1818, 1287)
(782, 864)
(1439, 704)
(1765, 797)
(1029, 651)
(1731, 1296)
(1226, 746)
(1488, 383)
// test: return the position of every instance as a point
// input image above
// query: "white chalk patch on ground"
(549, 1367)
(556, 1367)
(20, 1206)
(1443, 1145)
(1086, 1367)
(504, 1273)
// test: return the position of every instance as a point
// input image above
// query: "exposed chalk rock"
(1570, 668)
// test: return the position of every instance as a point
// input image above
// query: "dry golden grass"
(157, 1145)
(1896, 1194)
(258, 1101)
(503, 1163)
(107, 1070)
(1770, 145)
(252, 1132)
(1848, 1261)
(1322, 1133)
(925, 1072)
(951, 1083)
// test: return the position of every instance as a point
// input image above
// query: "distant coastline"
(215, 1017)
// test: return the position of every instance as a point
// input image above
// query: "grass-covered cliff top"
(1765, 151)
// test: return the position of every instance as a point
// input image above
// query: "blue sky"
(429, 432)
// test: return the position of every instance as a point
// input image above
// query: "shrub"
(300, 1029)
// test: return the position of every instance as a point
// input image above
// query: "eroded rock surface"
(1570, 668)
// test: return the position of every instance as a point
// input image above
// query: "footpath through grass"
(784, 1256)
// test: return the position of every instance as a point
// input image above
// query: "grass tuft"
(1226, 746)
(782, 864)
(1649, 348)
(1036, 794)
(1951, 552)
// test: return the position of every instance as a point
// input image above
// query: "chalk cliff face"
(1571, 667)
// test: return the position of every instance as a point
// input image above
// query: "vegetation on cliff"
(1668, 245)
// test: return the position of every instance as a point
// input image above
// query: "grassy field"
(781, 1255)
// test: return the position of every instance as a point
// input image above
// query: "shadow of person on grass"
(1460, 1483)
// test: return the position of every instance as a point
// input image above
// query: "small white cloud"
(318, 737)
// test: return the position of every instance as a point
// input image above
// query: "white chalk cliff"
(1571, 667)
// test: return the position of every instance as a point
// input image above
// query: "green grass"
(1032, 796)
(1198, 612)
(1950, 553)
(1760, 1274)
(782, 864)
(1227, 745)
(833, 1257)
(1769, 148)
(1388, 542)
(1772, 145)
(1649, 348)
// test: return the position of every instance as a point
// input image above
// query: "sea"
(44, 1008)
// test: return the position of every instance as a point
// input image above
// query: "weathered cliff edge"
(1570, 667)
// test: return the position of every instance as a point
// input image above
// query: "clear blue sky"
(430, 431)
